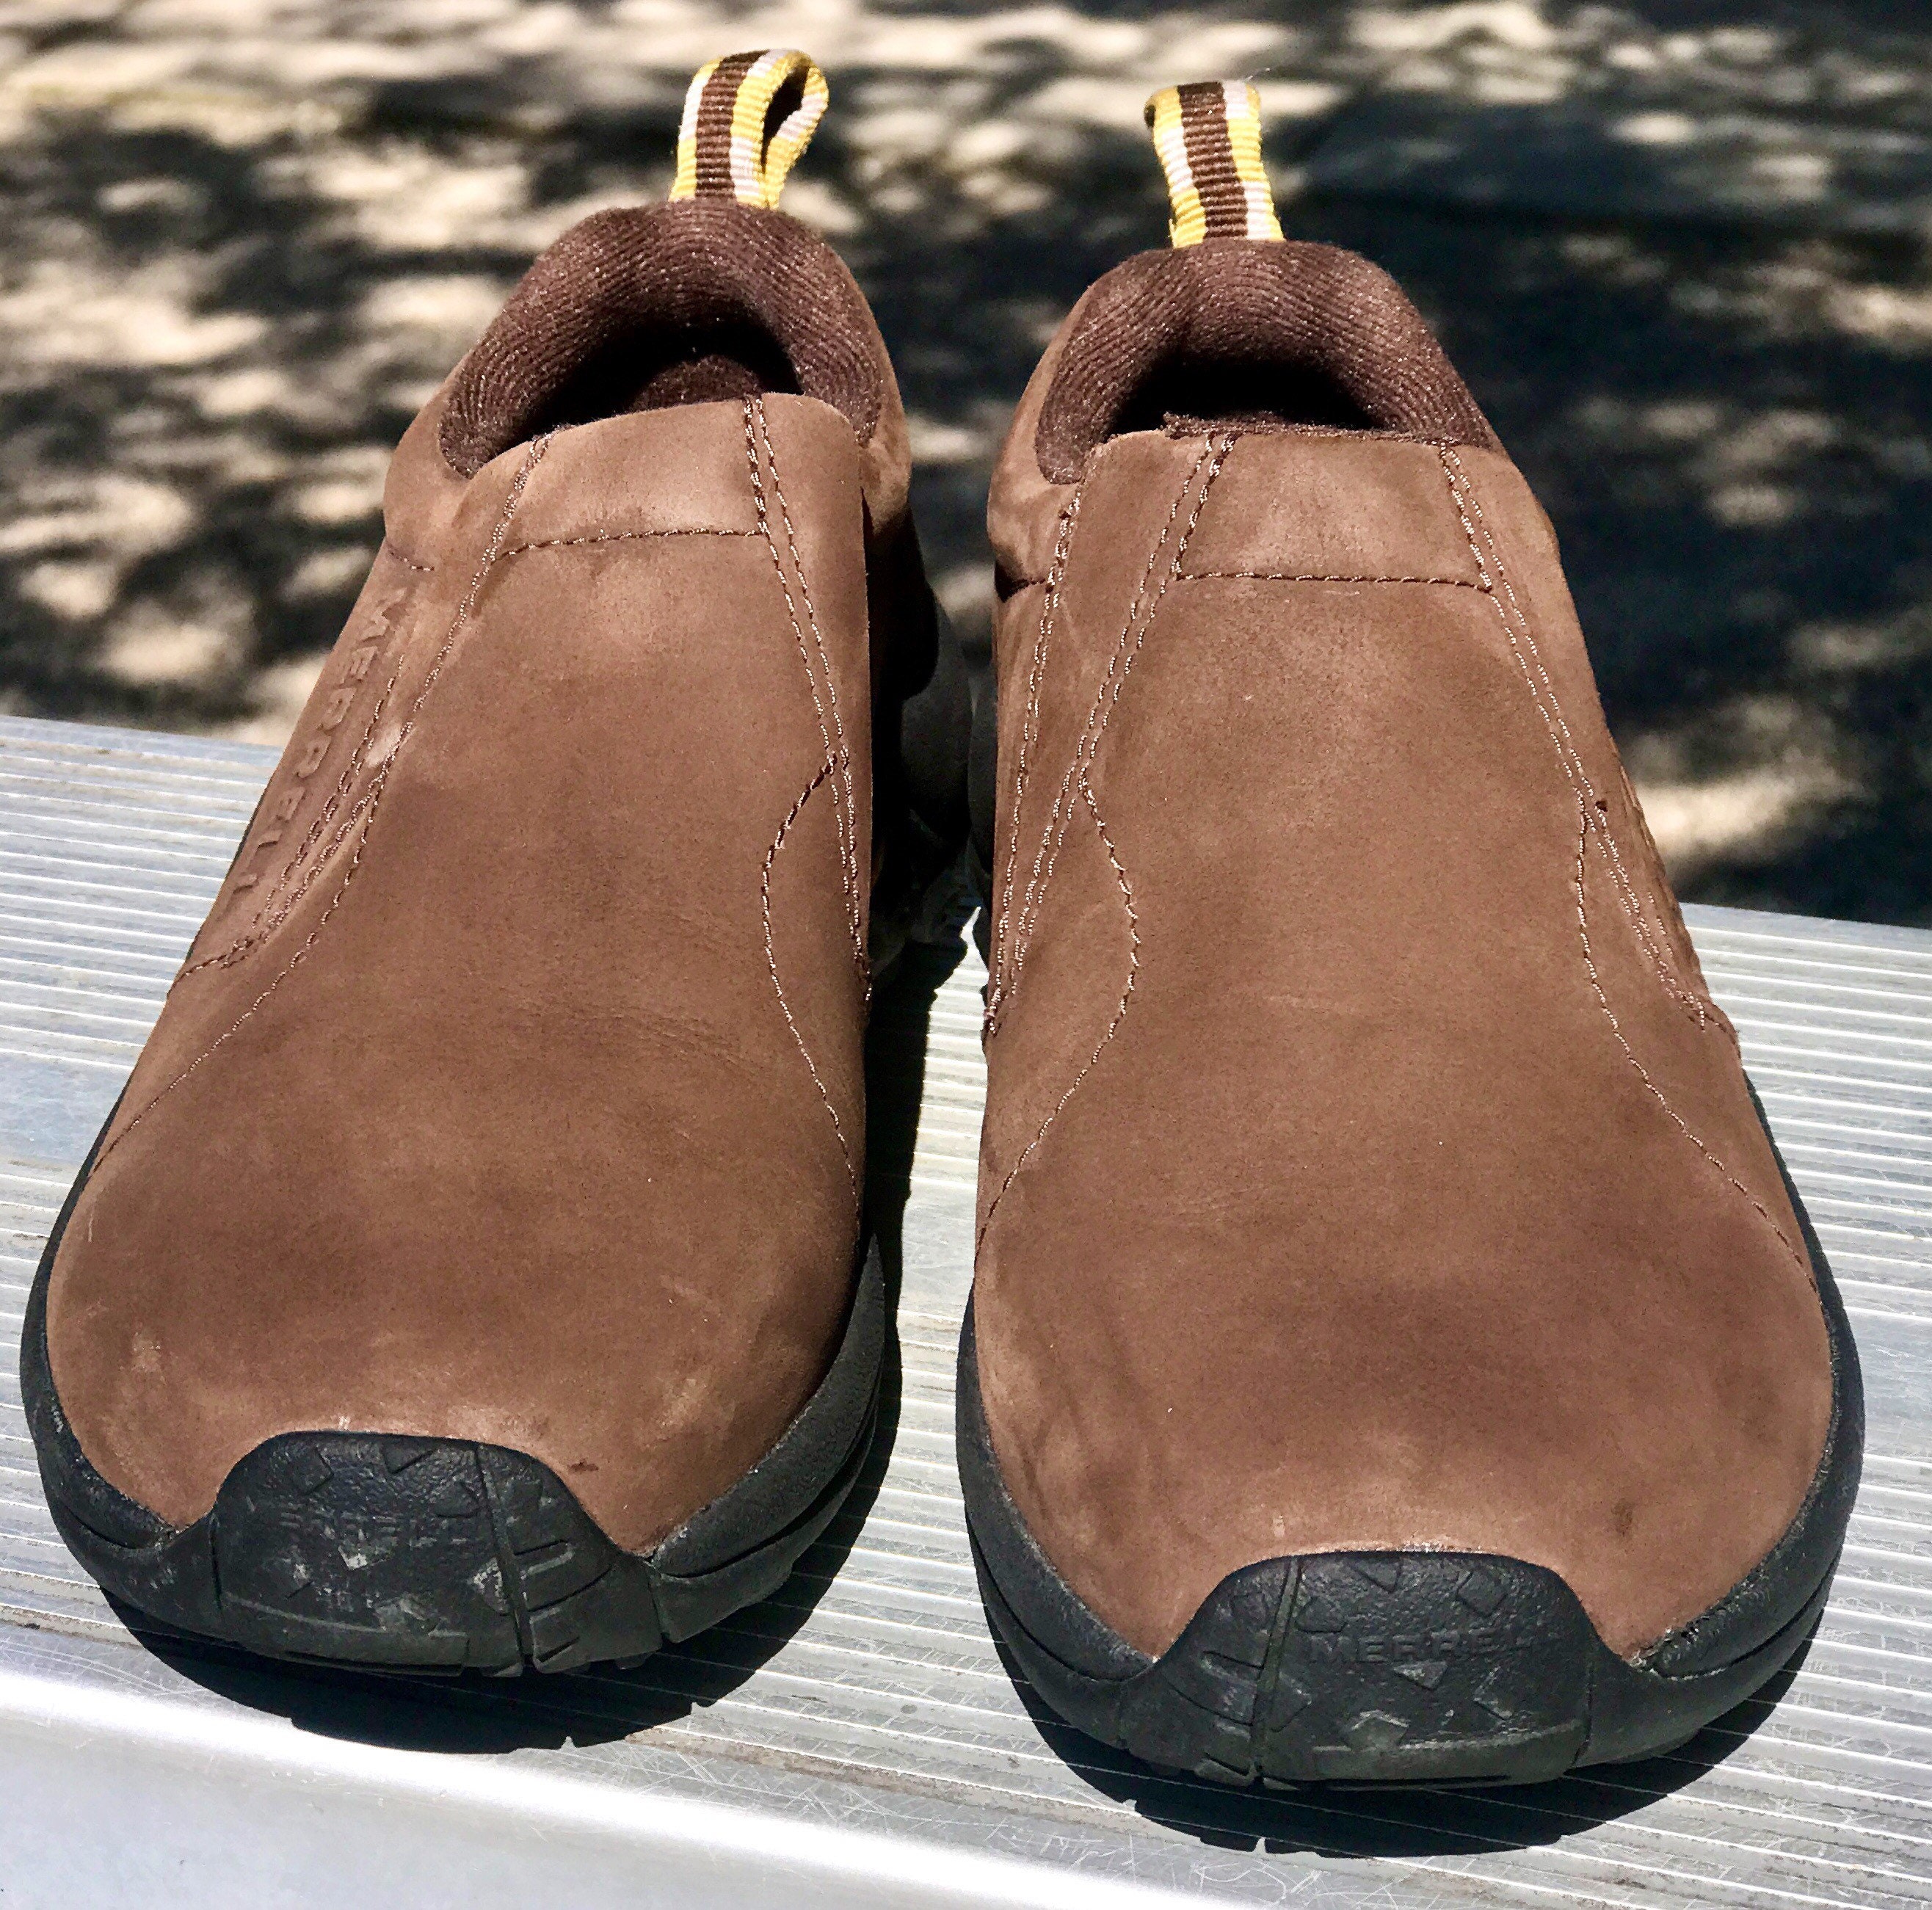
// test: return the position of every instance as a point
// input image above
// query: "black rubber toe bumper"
(445, 1555)
(1415, 1667)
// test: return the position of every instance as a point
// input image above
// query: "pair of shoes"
(1396, 1352)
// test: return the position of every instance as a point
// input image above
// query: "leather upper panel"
(1343, 508)
(534, 1121)
(1416, 1197)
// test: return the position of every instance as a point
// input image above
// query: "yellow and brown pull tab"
(727, 148)
(1209, 138)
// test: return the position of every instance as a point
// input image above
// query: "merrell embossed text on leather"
(1395, 1351)
(471, 1275)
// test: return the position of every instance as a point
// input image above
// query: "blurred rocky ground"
(1682, 249)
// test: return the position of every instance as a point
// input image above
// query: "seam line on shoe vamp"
(757, 437)
(260, 925)
(845, 754)
(265, 923)
(1205, 468)
(825, 770)
(1469, 507)
(832, 732)
(464, 610)
(305, 869)
(1113, 1026)
(621, 537)
(1643, 1074)
(1584, 822)
(1062, 546)
(1047, 855)
(407, 563)
(1210, 460)
(1320, 576)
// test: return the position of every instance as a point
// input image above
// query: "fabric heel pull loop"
(1208, 136)
(722, 149)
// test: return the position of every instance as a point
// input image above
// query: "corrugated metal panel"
(857, 1739)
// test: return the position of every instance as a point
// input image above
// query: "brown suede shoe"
(470, 1275)
(1396, 1352)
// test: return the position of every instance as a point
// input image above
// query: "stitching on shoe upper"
(1320, 576)
(1643, 1073)
(838, 758)
(1047, 855)
(620, 537)
(408, 563)
(303, 869)
(372, 802)
(1062, 544)
(1590, 822)
(1206, 467)
(825, 770)
(266, 918)
(837, 763)
(1113, 1026)
(1491, 572)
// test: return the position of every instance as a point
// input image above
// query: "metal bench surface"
(857, 1739)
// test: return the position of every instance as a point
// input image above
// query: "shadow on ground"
(220, 307)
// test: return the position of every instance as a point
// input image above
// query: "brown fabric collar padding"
(1234, 303)
(648, 272)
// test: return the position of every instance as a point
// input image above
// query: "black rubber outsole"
(404, 1554)
(1401, 1667)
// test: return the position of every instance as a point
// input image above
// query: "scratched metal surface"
(857, 1741)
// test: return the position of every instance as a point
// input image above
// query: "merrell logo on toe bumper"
(1488, 1641)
